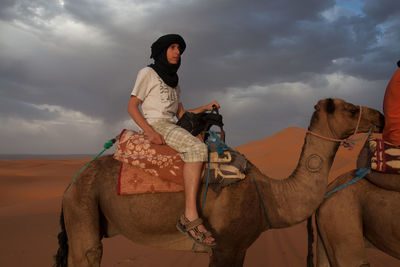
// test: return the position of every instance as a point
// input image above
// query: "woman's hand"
(137, 116)
(156, 138)
(209, 107)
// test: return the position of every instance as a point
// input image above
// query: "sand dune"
(30, 200)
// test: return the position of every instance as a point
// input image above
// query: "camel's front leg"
(227, 257)
(322, 258)
(339, 223)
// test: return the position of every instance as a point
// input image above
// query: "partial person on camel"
(391, 109)
(382, 154)
(157, 91)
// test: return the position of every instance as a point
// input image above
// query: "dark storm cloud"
(380, 11)
(5, 6)
(28, 11)
(97, 14)
(84, 55)
(19, 109)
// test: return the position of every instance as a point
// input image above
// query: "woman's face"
(173, 54)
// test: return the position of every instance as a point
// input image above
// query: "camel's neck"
(294, 199)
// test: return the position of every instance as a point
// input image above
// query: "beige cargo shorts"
(190, 148)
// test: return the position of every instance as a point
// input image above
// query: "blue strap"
(360, 174)
(208, 177)
(221, 147)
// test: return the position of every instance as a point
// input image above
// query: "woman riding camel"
(391, 109)
(158, 93)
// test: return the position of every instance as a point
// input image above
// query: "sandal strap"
(185, 226)
(207, 234)
(199, 237)
(190, 225)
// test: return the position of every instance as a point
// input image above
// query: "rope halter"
(348, 142)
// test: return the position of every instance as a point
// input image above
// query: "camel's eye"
(353, 111)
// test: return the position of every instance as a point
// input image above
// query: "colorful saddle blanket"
(150, 168)
(385, 157)
(146, 167)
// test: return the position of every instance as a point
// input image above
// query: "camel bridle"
(348, 142)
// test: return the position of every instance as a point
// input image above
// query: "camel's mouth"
(381, 123)
(379, 129)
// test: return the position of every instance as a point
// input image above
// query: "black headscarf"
(164, 69)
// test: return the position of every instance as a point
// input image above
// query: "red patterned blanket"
(150, 168)
(146, 167)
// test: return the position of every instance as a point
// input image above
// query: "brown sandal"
(184, 225)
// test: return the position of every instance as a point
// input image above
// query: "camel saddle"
(151, 168)
(385, 157)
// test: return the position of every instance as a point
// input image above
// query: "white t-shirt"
(159, 101)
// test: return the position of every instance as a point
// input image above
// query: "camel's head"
(340, 118)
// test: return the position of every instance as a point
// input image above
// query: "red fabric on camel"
(146, 167)
(391, 109)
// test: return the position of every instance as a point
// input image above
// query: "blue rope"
(106, 146)
(221, 147)
(208, 177)
(360, 174)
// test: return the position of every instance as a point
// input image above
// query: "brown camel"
(360, 215)
(91, 209)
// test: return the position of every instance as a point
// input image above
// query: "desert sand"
(30, 201)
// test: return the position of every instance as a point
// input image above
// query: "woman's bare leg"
(191, 177)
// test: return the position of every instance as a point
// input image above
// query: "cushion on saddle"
(158, 160)
(146, 167)
(150, 168)
(385, 157)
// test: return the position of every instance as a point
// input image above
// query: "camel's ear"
(330, 106)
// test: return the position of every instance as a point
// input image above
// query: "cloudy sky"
(67, 67)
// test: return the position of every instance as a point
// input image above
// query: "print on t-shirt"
(166, 94)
